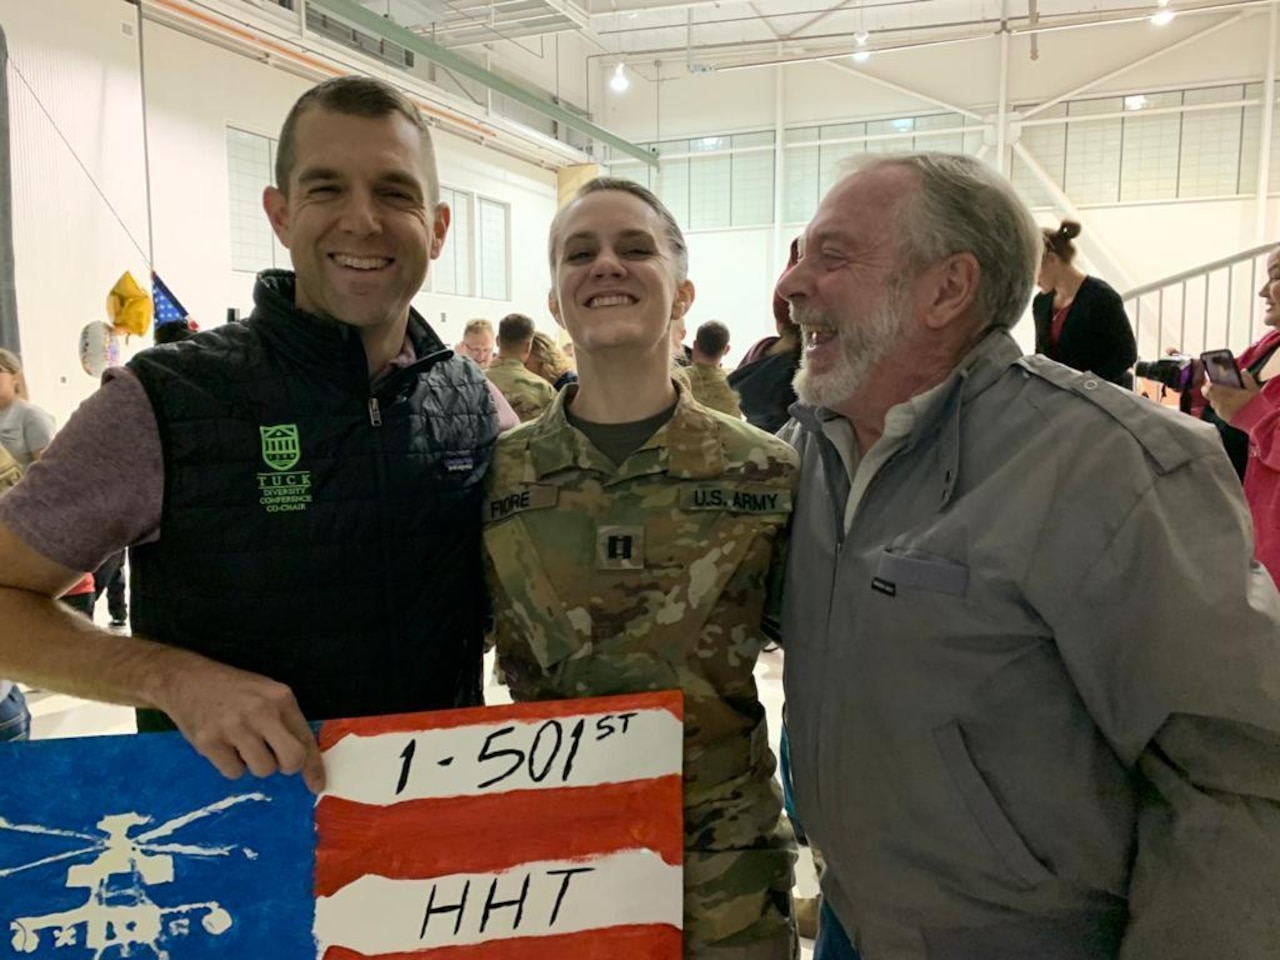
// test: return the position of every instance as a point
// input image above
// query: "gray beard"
(862, 347)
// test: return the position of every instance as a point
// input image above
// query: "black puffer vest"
(314, 531)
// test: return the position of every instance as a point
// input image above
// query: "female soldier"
(642, 556)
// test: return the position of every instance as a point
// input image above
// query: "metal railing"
(1206, 308)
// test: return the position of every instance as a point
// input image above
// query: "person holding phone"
(1254, 409)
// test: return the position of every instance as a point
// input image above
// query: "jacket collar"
(939, 420)
(978, 370)
(324, 342)
(687, 446)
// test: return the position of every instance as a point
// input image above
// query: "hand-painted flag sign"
(533, 831)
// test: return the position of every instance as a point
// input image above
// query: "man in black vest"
(300, 493)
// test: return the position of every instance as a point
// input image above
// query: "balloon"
(129, 306)
(99, 348)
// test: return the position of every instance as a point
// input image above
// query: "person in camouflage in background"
(527, 392)
(633, 536)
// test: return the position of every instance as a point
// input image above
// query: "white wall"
(732, 272)
(69, 246)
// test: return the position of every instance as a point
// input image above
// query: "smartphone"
(1221, 369)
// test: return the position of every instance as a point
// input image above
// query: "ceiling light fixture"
(1163, 17)
(1135, 102)
(861, 38)
(618, 83)
(861, 56)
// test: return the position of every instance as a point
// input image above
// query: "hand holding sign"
(237, 720)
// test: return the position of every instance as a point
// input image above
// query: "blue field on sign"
(135, 846)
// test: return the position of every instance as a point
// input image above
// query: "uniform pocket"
(922, 571)
(985, 810)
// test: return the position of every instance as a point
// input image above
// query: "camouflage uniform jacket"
(711, 388)
(653, 575)
(527, 392)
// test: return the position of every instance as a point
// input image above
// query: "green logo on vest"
(281, 448)
(286, 490)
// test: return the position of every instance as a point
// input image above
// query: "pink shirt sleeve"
(507, 418)
(100, 485)
(1260, 418)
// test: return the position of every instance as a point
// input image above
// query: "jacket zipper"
(375, 413)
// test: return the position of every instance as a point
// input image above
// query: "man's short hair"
(515, 330)
(671, 229)
(964, 206)
(356, 97)
(712, 338)
(478, 325)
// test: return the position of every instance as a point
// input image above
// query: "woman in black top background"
(1080, 320)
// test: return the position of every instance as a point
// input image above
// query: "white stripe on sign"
(375, 915)
(577, 751)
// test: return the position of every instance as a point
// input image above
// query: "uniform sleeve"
(1172, 637)
(100, 485)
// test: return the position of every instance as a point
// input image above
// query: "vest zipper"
(375, 414)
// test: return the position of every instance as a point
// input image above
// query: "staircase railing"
(1206, 308)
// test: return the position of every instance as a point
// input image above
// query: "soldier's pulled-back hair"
(515, 330)
(356, 97)
(712, 337)
(548, 353)
(671, 229)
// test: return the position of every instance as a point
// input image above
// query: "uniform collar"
(687, 446)
(506, 362)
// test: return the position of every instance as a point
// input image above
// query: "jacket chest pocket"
(915, 570)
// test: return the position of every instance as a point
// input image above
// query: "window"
(476, 260)
(710, 182)
(1149, 159)
(494, 250)
(451, 272)
(1093, 151)
(710, 191)
(250, 165)
(1205, 145)
(815, 156)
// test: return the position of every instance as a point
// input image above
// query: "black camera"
(1176, 372)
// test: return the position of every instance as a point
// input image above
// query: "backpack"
(10, 472)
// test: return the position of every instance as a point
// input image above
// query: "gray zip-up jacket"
(1033, 692)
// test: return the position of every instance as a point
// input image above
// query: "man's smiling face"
(357, 217)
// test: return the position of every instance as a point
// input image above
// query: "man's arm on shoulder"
(1172, 636)
(98, 489)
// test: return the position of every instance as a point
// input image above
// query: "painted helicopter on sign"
(118, 915)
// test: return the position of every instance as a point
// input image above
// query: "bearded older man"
(1033, 677)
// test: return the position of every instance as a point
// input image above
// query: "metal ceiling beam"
(365, 18)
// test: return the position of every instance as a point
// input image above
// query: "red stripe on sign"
(491, 832)
(653, 942)
(331, 731)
